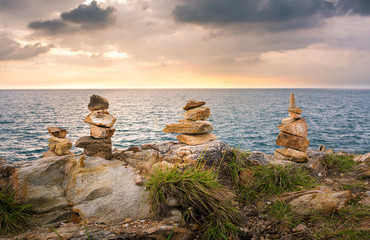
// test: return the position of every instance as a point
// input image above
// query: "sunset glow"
(184, 44)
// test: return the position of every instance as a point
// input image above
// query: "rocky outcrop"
(99, 143)
(293, 135)
(169, 154)
(317, 200)
(194, 129)
(92, 190)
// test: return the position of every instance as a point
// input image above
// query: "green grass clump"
(269, 180)
(12, 214)
(344, 224)
(342, 163)
(284, 213)
(203, 199)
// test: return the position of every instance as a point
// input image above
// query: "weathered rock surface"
(60, 146)
(99, 118)
(98, 103)
(295, 109)
(317, 200)
(290, 154)
(95, 147)
(196, 139)
(57, 132)
(8, 177)
(101, 132)
(198, 113)
(163, 154)
(288, 120)
(295, 115)
(298, 128)
(363, 158)
(95, 189)
(189, 127)
(291, 141)
(193, 104)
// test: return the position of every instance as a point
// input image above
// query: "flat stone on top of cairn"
(194, 129)
(58, 144)
(293, 135)
(99, 143)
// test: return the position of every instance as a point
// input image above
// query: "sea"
(243, 118)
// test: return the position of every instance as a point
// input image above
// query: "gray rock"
(96, 189)
(173, 202)
(176, 216)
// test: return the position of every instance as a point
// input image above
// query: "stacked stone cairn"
(59, 145)
(293, 133)
(99, 143)
(194, 129)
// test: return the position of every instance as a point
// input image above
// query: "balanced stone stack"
(99, 143)
(59, 145)
(194, 129)
(293, 135)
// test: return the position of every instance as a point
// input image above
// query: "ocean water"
(247, 118)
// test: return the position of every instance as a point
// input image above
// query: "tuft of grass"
(12, 214)
(284, 213)
(339, 163)
(269, 180)
(203, 199)
(341, 225)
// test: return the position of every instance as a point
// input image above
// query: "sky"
(184, 44)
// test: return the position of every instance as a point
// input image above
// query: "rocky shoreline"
(70, 192)
(102, 193)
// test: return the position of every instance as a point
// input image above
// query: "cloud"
(275, 15)
(13, 50)
(83, 17)
(50, 26)
(89, 14)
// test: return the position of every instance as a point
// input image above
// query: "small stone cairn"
(59, 145)
(99, 143)
(293, 133)
(194, 129)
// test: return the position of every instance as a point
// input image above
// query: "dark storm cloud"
(89, 14)
(83, 17)
(293, 13)
(12, 50)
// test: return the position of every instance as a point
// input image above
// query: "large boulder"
(94, 189)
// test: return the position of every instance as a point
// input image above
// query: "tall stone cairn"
(99, 143)
(59, 145)
(194, 130)
(293, 133)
